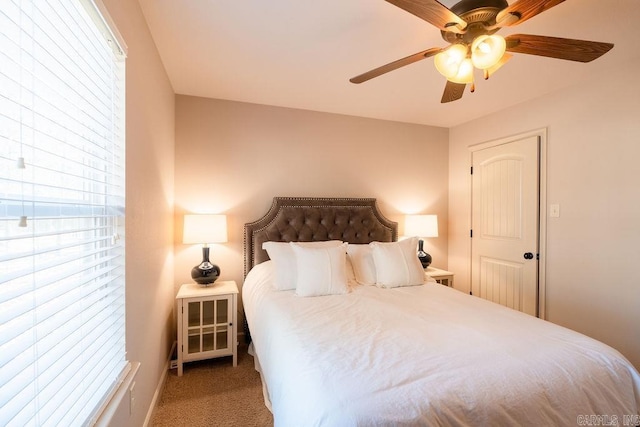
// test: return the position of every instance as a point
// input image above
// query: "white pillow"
(284, 261)
(351, 275)
(361, 257)
(321, 271)
(397, 263)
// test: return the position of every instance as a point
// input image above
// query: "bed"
(408, 354)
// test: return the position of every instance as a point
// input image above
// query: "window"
(62, 287)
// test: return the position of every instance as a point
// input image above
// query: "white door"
(505, 224)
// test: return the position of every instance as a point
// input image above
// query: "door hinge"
(470, 233)
(471, 170)
(537, 257)
(470, 292)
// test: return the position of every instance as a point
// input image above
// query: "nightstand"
(443, 277)
(207, 322)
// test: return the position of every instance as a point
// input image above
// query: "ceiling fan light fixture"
(469, 26)
(487, 50)
(449, 61)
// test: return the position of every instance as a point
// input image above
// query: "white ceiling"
(301, 54)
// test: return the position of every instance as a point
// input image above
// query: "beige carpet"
(213, 393)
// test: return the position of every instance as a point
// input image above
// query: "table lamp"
(421, 226)
(205, 229)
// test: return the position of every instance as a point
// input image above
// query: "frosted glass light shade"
(204, 229)
(465, 73)
(486, 51)
(421, 225)
(448, 61)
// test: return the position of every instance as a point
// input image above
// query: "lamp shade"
(204, 229)
(465, 73)
(421, 225)
(448, 61)
(486, 51)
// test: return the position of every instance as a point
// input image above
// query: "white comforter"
(427, 355)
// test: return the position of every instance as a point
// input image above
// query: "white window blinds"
(62, 290)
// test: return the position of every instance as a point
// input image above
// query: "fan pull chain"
(486, 74)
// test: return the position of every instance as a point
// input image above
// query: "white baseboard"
(159, 388)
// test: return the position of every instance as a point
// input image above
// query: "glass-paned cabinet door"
(222, 320)
(208, 324)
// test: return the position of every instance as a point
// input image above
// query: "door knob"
(528, 255)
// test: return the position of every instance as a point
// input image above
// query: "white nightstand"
(207, 322)
(443, 277)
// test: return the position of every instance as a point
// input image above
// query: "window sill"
(119, 398)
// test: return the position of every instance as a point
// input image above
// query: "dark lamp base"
(425, 258)
(205, 276)
(205, 273)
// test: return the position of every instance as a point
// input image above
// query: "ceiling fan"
(470, 27)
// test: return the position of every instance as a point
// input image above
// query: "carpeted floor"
(213, 393)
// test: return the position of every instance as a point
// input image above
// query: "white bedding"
(426, 355)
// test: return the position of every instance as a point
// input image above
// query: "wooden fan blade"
(431, 11)
(559, 48)
(525, 9)
(395, 65)
(452, 92)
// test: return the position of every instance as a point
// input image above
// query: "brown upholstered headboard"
(306, 219)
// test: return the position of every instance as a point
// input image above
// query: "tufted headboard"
(306, 219)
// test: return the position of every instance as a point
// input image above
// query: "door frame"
(542, 207)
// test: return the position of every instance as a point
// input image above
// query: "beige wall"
(150, 119)
(235, 157)
(592, 274)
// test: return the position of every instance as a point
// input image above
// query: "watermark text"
(609, 420)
